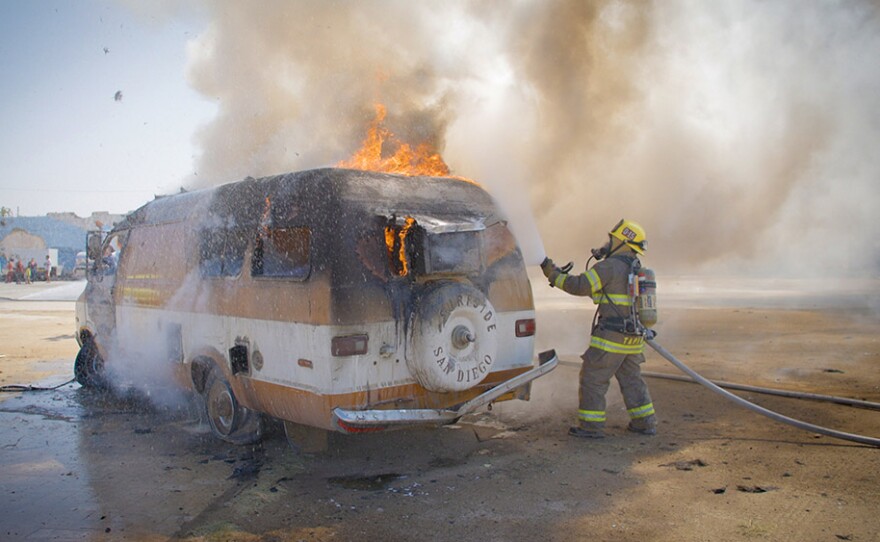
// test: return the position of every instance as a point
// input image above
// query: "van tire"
(454, 337)
(199, 370)
(229, 420)
(88, 368)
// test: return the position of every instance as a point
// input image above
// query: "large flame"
(423, 160)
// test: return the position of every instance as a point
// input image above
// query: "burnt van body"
(336, 299)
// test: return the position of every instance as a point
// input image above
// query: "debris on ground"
(756, 489)
(686, 465)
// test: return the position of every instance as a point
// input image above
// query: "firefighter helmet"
(632, 234)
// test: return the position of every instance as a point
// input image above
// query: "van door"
(103, 251)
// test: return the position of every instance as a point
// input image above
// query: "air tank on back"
(646, 302)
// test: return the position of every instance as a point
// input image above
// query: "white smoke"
(741, 134)
(138, 363)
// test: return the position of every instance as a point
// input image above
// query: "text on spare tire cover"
(448, 362)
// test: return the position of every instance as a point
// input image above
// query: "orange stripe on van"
(142, 296)
(309, 408)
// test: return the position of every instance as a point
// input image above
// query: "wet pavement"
(38, 475)
(81, 466)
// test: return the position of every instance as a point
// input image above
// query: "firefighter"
(618, 337)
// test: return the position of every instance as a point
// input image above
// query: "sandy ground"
(74, 466)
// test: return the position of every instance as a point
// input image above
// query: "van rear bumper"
(359, 421)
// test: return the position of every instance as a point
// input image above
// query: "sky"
(741, 134)
(66, 144)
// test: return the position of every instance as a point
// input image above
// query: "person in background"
(19, 271)
(48, 266)
(109, 260)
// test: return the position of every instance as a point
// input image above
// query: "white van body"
(335, 299)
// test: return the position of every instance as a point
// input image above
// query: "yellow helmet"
(632, 234)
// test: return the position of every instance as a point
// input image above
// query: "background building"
(27, 237)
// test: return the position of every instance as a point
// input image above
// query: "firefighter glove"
(547, 266)
(550, 271)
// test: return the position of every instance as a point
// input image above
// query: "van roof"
(327, 188)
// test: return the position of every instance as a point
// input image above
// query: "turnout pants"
(596, 372)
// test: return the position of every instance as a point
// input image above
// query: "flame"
(423, 160)
(392, 234)
(389, 240)
(404, 269)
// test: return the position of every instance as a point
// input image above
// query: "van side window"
(221, 253)
(282, 252)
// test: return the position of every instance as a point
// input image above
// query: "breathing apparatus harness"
(631, 323)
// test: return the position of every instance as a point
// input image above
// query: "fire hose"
(846, 401)
(14, 388)
(861, 439)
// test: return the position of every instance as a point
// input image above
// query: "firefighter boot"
(580, 432)
(647, 430)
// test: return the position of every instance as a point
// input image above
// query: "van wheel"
(229, 420)
(88, 369)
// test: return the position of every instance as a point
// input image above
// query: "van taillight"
(351, 345)
(525, 328)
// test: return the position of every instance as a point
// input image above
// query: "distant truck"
(331, 299)
(79, 266)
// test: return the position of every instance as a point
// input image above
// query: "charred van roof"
(320, 191)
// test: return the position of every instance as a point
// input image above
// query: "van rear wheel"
(229, 420)
(88, 369)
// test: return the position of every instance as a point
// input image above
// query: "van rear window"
(455, 252)
(221, 252)
(282, 252)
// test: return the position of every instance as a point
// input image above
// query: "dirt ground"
(75, 466)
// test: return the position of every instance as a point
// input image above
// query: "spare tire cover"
(454, 337)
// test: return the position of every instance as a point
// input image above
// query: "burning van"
(334, 299)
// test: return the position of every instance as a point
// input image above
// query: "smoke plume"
(741, 135)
